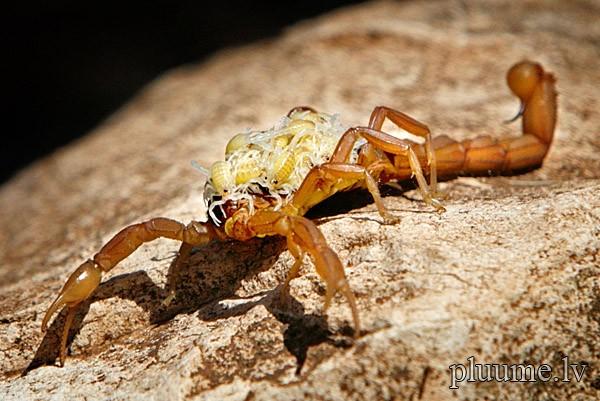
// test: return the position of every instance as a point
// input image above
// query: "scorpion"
(270, 179)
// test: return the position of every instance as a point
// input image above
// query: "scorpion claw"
(303, 236)
(78, 287)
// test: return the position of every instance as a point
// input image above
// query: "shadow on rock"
(303, 330)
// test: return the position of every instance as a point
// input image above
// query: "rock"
(509, 274)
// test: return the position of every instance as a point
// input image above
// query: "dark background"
(73, 63)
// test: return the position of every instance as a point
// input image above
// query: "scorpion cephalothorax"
(270, 179)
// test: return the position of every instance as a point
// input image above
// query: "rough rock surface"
(508, 274)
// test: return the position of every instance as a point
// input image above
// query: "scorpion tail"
(486, 155)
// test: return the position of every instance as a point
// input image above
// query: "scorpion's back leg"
(86, 278)
(303, 236)
(415, 127)
(400, 148)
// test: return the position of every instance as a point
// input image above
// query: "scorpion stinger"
(518, 115)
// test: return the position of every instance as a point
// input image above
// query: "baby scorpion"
(270, 179)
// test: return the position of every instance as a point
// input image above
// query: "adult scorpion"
(270, 179)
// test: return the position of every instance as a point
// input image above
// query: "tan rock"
(509, 274)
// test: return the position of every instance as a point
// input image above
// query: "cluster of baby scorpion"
(271, 163)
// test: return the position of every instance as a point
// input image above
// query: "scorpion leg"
(298, 255)
(326, 179)
(304, 237)
(86, 278)
(389, 144)
(415, 127)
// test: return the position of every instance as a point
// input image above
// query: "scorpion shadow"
(216, 270)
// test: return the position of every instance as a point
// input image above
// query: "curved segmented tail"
(486, 155)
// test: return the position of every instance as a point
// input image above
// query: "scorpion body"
(270, 179)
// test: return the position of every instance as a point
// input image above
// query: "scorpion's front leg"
(303, 236)
(83, 281)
